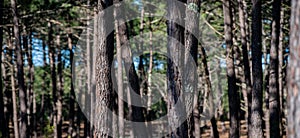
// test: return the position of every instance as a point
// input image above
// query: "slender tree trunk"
(280, 71)
(139, 130)
(8, 106)
(119, 19)
(27, 80)
(20, 72)
(219, 90)
(208, 90)
(104, 58)
(191, 48)
(60, 87)
(89, 55)
(31, 90)
(232, 89)
(131, 134)
(266, 76)
(294, 73)
(15, 110)
(274, 102)
(256, 108)
(149, 77)
(53, 78)
(93, 66)
(72, 129)
(247, 74)
(44, 88)
(2, 118)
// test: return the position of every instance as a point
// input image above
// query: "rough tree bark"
(191, 48)
(176, 110)
(20, 72)
(256, 46)
(232, 89)
(104, 58)
(274, 102)
(294, 73)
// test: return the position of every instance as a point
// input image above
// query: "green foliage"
(48, 130)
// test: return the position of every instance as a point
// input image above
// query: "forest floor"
(223, 128)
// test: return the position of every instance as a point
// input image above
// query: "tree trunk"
(60, 87)
(7, 84)
(2, 119)
(149, 78)
(93, 68)
(72, 129)
(294, 73)
(104, 58)
(119, 20)
(139, 130)
(256, 108)
(191, 48)
(208, 90)
(14, 98)
(176, 110)
(280, 71)
(247, 75)
(89, 55)
(232, 89)
(20, 72)
(45, 84)
(53, 78)
(274, 102)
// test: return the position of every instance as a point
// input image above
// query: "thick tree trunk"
(20, 73)
(104, 58)
(176, 109)
(191, 52)
(274, 102)
(232, 89)
(256, 108)
(294, 73)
